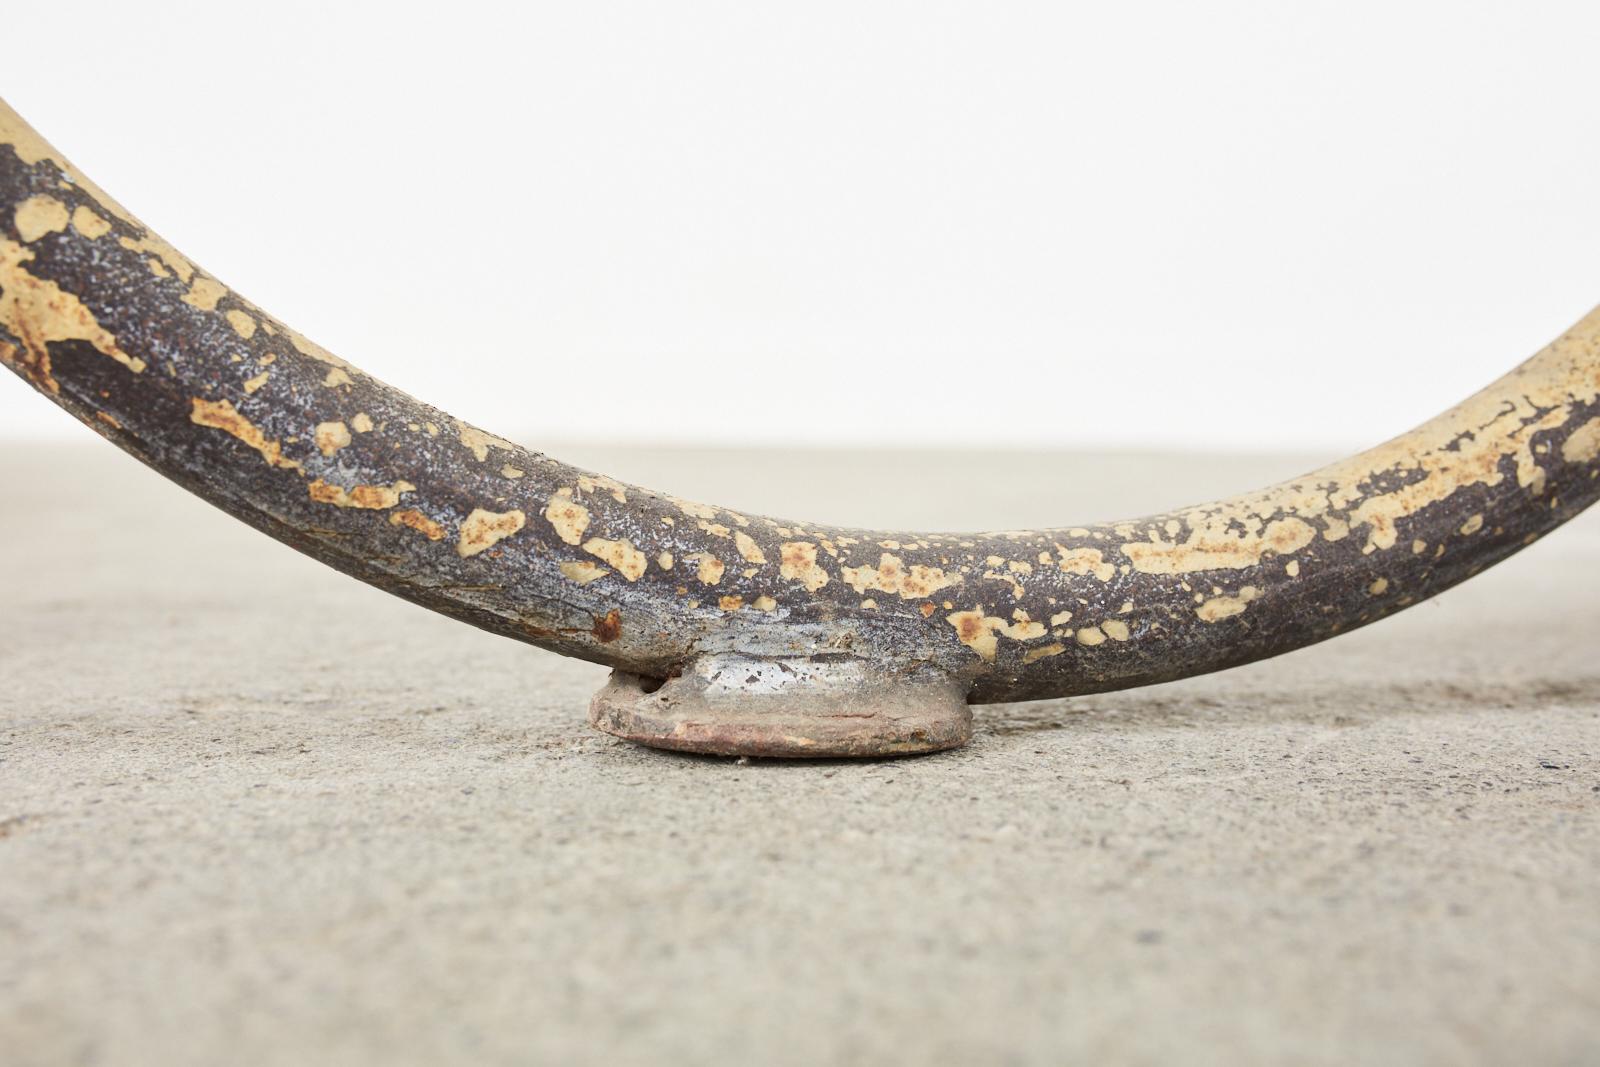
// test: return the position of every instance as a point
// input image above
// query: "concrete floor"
(253, 812)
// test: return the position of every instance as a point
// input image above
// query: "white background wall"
(1108, 225)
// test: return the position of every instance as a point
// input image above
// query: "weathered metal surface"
(107, 320)
(794, 706)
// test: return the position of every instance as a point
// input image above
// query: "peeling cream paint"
(569, 517)
(1115, 629)
(242, 324)
(257, 382)
(627, 560)
(730, 603)
(1583, 444)
(479, 442)
(164, 258)
(40, 215)
(690, 508)
(205, 293)
(91, 225)
(374, 497)
(708, 567)
(1471, 526)
(39, 312)
(482, 529)
(1213, 545)
(981, 632)
(508, 471)
(748, 549)
(419, 522)
(664, 561)
(1034, 655)
(583, 571)
(1226, 607)
(891, 575)
(331, 436)
(764, 603)
(336, 377)
(799, 564)
(361, 423)
(1086, 561)
(222, 415)
(590, 483)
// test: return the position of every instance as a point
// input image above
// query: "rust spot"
(608, 628)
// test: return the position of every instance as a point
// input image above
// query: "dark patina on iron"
(766, 636)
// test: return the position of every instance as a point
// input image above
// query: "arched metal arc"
(116, 326)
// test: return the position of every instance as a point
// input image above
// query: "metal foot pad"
(814, 706)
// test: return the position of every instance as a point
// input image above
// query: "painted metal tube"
(773, 635)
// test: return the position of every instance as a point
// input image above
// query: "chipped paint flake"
(205, 293)
(749, 551)
(40, 215)
(799, 564)
(242, 323)
(91, 225)
(981, 632)
(627, 560)
(331, 436)
(764, 603)
(1214, 545)
(252, 384)
(361, 422)
(336, 377)
(591, 483)
(222, 415)
(371, 497)
(891, 575)
(708, 568)
(1086, 561)
(1218, 608)
(479, 442)
(39, 312)
(569, 517)
(1583, 444)
(583, 571)
(1034, 655)
(483, 529)
(419, 522)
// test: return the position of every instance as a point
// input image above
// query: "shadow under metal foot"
(802, 706)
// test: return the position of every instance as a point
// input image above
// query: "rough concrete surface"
(253, 812)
